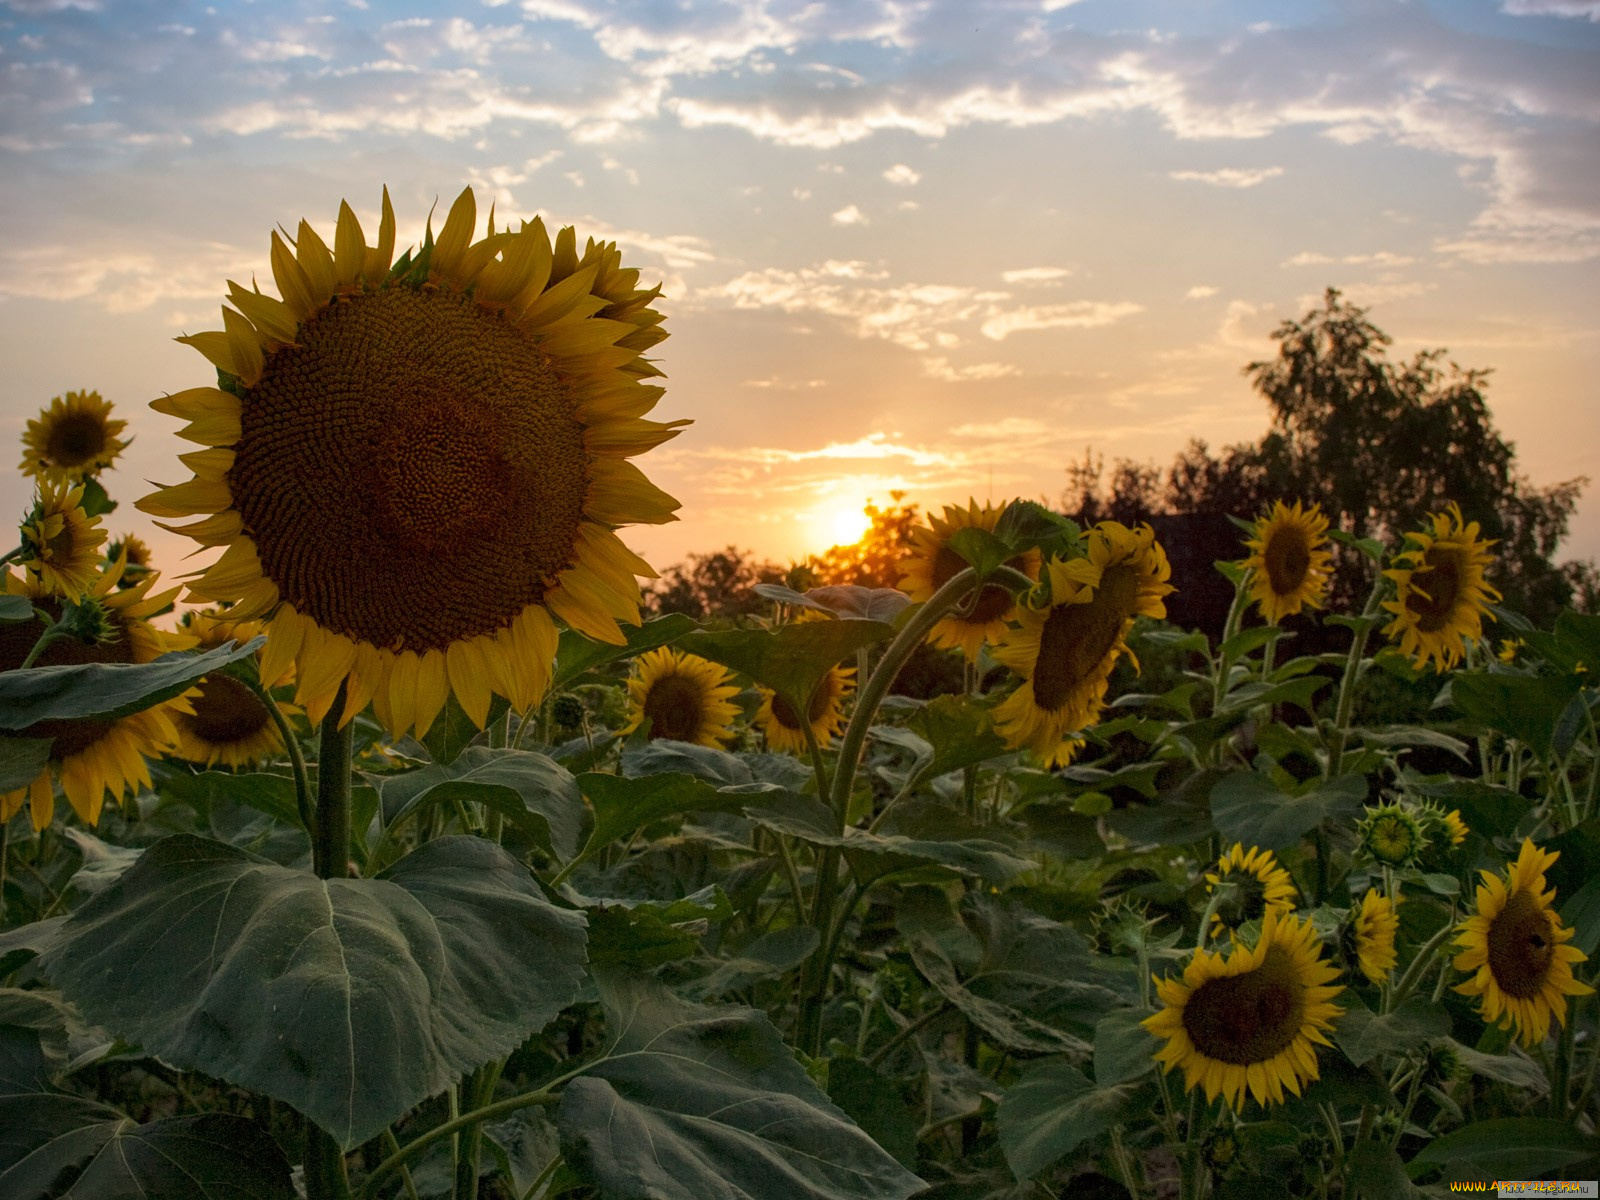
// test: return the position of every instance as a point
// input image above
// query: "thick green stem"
(1352, 674)
(1230, 627)
(330, 851)
(476, 1091)
(1419, 965)
(52, 633)
(291, 745)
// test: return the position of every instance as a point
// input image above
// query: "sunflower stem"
(1561, 1084)
(477, 1089)
(54, 631)
(12, 555)
(1419, 966)
(392, 1145)
(1229, 628)
(500, 1108)
(1352, 674)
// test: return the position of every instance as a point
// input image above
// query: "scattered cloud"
(850, 215)
(1230, 177)
(1080, 314)
(1005, 428)
(1200, 291)
(1383, 258)
(1553, 8)
(1044, 275)
(902, 176)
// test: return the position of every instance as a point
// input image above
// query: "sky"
(933, 246)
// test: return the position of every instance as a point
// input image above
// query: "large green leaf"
(453, 731)
(21, 760)
(532, 792)
(697, 1103)
(623, 804)
(107, 690)
(1507, 1148)
(842, 600)
(663, 755)
(1527, 708)
(351, 999)
(960, 732)
(1053, 1109)
(1123, 1048)
(1248, 807)
(1363, 1035)
(576, 653)
(59, 1146)
(791, 660)
(14, 609)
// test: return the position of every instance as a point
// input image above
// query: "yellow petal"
(293, 284)
(349, 247)
(214, 344)
(283, 644)
(382, 255)
(220, 428)
(402, 691)
(212, 464)
(455, 237)
(469, 678)
(433, 689)
(244, 344)
(194, 403)
(272, 317)
(216, 530)
(187, 499)
(311, 252)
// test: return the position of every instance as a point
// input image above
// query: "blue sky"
(921, 244)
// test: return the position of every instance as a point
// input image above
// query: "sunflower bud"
(1392, 835)
(90, 622)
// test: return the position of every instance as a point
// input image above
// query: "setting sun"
(845, 522)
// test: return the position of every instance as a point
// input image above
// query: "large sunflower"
(91, 757)
(1290, 564)
(685, 697)
(1249, 1019)
(1065, 651)
(931, 564)
(1441, 596)
(825, 714)
(72, 440)
(414, 470)
(227, 722)
(1262, 884)
(1515, 947)
(1372, 928)
(61, 543)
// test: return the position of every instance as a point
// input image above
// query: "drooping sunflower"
(931, 564)
(782, 726)
(415, 469)
(1372, 930)
(61, 543)
(686, 698)
(1290, 563)
(1250, 1019)
(227, 723)
(1515, 947)
(1262, 884)
(91, 757)
(1442, 596)
(72, 440)
(1065, 650)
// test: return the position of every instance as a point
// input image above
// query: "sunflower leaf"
(1526, 708)
(792, 660)
(1507, 1148)
(623, 804)
(845, 601)
(14, 609)
(982, 549)
(1123, 1048)
(576, 653)
(350, 999)
(1025, 524)
(1249, 808)
(1364, 1036)
(211, 1156)
(1053, 1109)
(107, 690)
(709, 1102)
(21, 760)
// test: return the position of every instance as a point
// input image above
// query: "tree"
(1379, 445)
(873, 560)
(719, 584)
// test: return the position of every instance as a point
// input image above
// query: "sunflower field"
(393, 854)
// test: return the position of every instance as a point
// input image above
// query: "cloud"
(1230, 177)
(940, 368)
(1553, 8)
(119, 280)
(1382, 258)
(902, 176)
(850, 215)
(1006, 428)
(1200, 291)
(1044, 275)
(1080, 314)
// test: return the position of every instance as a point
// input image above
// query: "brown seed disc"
(226, 712)
(75, 440)
(1288, 558)
(1077, 637)
(412, 471)
(1521, 946)
(784, 712)
(1244, 1019)
(1441, 578)
(675, 706)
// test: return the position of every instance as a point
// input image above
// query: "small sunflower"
(1455, 827)
(1065, 651)
(685, 697)
(1249, 1020)
(61, 543)
(1515, 947)
(416, 470)
(72, 440)
(1291, 567)
(91, 756)
(825, 715)
(1442, 595)
(931, 564)
(1392, 835)
(1372, 930)
(1262, 884)
(228, 723)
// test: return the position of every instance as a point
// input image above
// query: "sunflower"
(1290, 565)
(92, 756)
(61, 543)
(931, 564)
(1392, 835)
(1251, 1018)
(1261, 883)
(1442, 596)
(415, 470)
(1372, 930)
(228, 723)
(1455, 827)
(72, 440)
(685, 697)
(825, 715)
(1515, 947)
(1065, 651)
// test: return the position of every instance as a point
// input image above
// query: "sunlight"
(845, 521)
